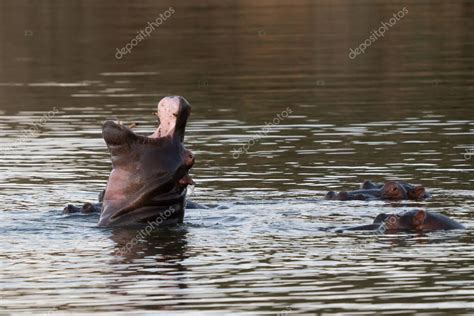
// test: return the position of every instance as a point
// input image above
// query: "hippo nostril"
(189, 158)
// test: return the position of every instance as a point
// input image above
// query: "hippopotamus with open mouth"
(149, 173)
(390, 190)
(414, 220)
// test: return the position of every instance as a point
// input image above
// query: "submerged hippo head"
(398, 190)
(416, 220)
(390, 190)
(149, 173)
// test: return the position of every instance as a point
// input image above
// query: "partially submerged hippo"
(414, 220)
(390, 190)
(149, 173)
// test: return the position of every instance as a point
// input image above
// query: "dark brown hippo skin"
(86, 208)
(390, 190)
(414, 220)
(149, 173)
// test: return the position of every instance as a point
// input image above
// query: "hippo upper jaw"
(150, 174)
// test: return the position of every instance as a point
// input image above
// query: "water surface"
(401, 110)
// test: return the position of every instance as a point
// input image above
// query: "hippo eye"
(391, 220)
(394, 189)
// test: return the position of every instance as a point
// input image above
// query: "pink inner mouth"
(172, 114)
(186, 180)
(168, 114)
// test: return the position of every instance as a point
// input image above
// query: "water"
(403, 110)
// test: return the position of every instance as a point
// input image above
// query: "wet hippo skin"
(89, 208)
(413, 220)
(390, 190)
(149, 173)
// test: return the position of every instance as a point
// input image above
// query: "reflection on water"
(401, 110)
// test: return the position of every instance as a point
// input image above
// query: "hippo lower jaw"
(168, 207)
(149, 174)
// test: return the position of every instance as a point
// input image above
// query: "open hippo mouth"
(149, 173)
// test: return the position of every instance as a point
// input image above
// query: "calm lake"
(402, 109)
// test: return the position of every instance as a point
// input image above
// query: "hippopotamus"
(149, 174)
(413, 220)
(390, 190)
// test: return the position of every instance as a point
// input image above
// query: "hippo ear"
(420, 192)
(419, 218)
